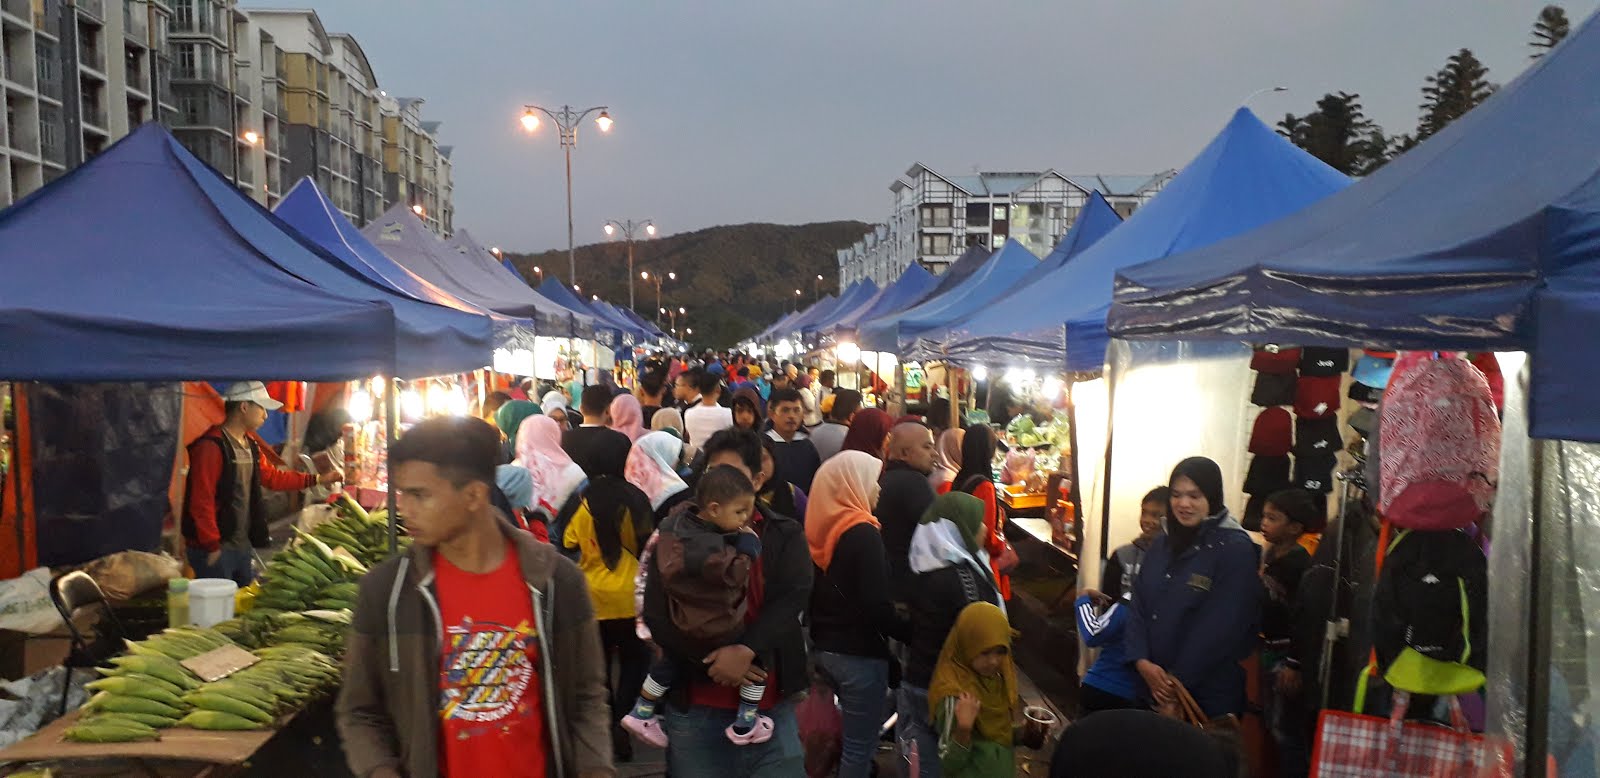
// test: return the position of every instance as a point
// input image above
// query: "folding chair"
(69, 593)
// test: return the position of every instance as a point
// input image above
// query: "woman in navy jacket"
(1197, 600)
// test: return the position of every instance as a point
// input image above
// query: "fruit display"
(296, 628)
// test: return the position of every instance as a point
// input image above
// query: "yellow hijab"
(980, 627)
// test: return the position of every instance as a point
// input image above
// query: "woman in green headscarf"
(974, 696)
(509, 419)
(951, 572)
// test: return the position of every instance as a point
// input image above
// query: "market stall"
(1507, 199)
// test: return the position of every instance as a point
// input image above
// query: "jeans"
(233, 565)
(1290, 726)
(913, 727)
(699, 747)
(862, 684)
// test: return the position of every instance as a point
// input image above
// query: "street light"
(628, 229)
(797, 296)
(418, 209)
(817, 288)
(645, 275)
(251, 137)
(567, 123)
(539, 271)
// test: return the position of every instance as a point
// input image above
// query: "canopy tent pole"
(1075, 494)
(389, 434)
(1105, 472)
(1540, 617)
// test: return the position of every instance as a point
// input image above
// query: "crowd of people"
(605, 566)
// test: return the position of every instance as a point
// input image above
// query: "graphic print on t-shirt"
(487, 670)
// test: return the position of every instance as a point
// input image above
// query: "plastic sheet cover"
(103, 458)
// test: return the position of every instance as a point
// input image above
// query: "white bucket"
(211, 600)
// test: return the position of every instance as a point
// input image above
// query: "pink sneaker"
(760, 733)
(647, 730)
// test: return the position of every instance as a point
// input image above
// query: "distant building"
(936, 217)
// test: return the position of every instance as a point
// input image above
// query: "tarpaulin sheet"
(102, 460)
(896, 333)
(910, 288)
(168, 282)
(1094, 222)
(307, 209)
(603, 329)
(1246, 176)
(1484, 237)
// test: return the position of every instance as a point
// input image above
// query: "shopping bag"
(1351, 745)
(821, 731)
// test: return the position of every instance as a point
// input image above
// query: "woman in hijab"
(1196, 600)
(555, 406)
(509, 419)
(555, 475)
(974, 696)
(670, 421)
(976, 477)
(626, 416)
(652, 466)
(952, 572)
(948, 459)
(776, 495)
(851, 613)
(868, 432)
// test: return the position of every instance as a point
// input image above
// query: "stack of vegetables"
(296, 627)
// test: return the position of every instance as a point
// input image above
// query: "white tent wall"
(1169, 401)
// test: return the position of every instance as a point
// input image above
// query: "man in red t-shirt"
(476, 652)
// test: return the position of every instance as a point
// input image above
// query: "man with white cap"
(224, 515)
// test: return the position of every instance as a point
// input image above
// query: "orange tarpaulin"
(19, 552)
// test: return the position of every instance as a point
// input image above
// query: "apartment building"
(76, 75)
(264, 96)
(937, 216)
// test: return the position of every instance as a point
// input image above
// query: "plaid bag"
(1350, 745)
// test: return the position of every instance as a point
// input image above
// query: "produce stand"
(178, 744)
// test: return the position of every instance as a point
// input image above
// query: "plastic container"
(177, 602)
(211, 600)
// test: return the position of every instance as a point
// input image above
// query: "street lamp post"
(657, 278)
(672, 318)
(539, 271)
(567, 121)
(628, 228)
(817, 288)
(1262, 91)
(797, 296)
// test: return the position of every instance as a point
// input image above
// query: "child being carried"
(704, 551)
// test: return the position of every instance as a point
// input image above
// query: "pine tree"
(1458, 86)
(1548, 30)
(1338, 133)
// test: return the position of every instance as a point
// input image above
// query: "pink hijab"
(539, 450)
(627, 417)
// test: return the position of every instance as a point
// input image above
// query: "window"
(1054, 210)
(936, 216)
(183, 14)
(935, 245)
(188, 58)
(977, 215)
(999, 213)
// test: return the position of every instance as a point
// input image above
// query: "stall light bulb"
(1027, 376)
(1013, 376)
(849, 353)
(457, 403)
(980, 373)
(411, 404)
(361, 405)
(1052, 387)
(376, 385)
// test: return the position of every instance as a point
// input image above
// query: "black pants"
(618, 639)
(1094, 700)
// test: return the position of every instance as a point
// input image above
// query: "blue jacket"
(1199, 615)
(1111, 672)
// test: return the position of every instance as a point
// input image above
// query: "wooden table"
(207, 753)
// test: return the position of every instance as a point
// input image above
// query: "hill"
(733, 279)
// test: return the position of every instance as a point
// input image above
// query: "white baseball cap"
(251, 391)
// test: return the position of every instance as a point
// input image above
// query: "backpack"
(1441, 444)
(1429, 612)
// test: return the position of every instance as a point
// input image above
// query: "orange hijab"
(842, 496)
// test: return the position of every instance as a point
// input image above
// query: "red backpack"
(1441, 444)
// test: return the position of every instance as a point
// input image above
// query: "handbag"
(1185, 709)
(1352, 745)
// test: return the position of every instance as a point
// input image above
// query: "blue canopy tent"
(182, 277)
(909, 289)
(401, 235)
(649, 327)
(307, 209)
(1245, 177)
(1485, 237)
(618, 315)
(1094, 222)
(503, 273)
(789, 325)
(959, 270)
(776, 327)
(850, 301)
(896, 333)
(616, 327)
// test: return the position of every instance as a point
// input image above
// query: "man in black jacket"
(906, 494)
(701, 708)
(795, 460)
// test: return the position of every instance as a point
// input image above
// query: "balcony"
(93, 8)
(136, 22)
(242, 92)
(200, 72)
(269, 100)
(19, 71)
(22, 9)
(95, 116)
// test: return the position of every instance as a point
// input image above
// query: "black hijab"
(1208, 477)
(977, 456)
